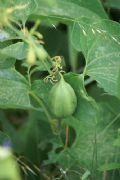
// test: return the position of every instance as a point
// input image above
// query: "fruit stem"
(61, 76)
(67, 137)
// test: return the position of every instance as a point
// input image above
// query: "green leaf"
(85, 102)
(14, 91)
(109, 166)
(65, 11)
(29, 6)
(112, 4)
(6, 34)
(101, 47)
(92, 5)
(22, 8)
(79, 34)
(17, 51)
(42, 89)
(103, 58)
(84, 122)
(111, 102)
(6, 62)
(34, 136)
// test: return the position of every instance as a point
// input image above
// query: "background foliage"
(85, 35)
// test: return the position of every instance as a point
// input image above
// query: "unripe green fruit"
(63, 101)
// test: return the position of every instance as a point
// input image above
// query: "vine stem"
(89, 81)
(67, 137)
(39, 101)
(28, 74)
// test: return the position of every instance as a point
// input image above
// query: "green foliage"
(101, 38)
(14, 92)
(40, 42)
(113, 4)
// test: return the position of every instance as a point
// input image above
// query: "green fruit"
(63, 100)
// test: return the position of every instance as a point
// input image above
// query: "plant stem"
(29, 77)
(105, 172)
(22, 36)
(39, 101)
(89, 81)
(67, 137)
